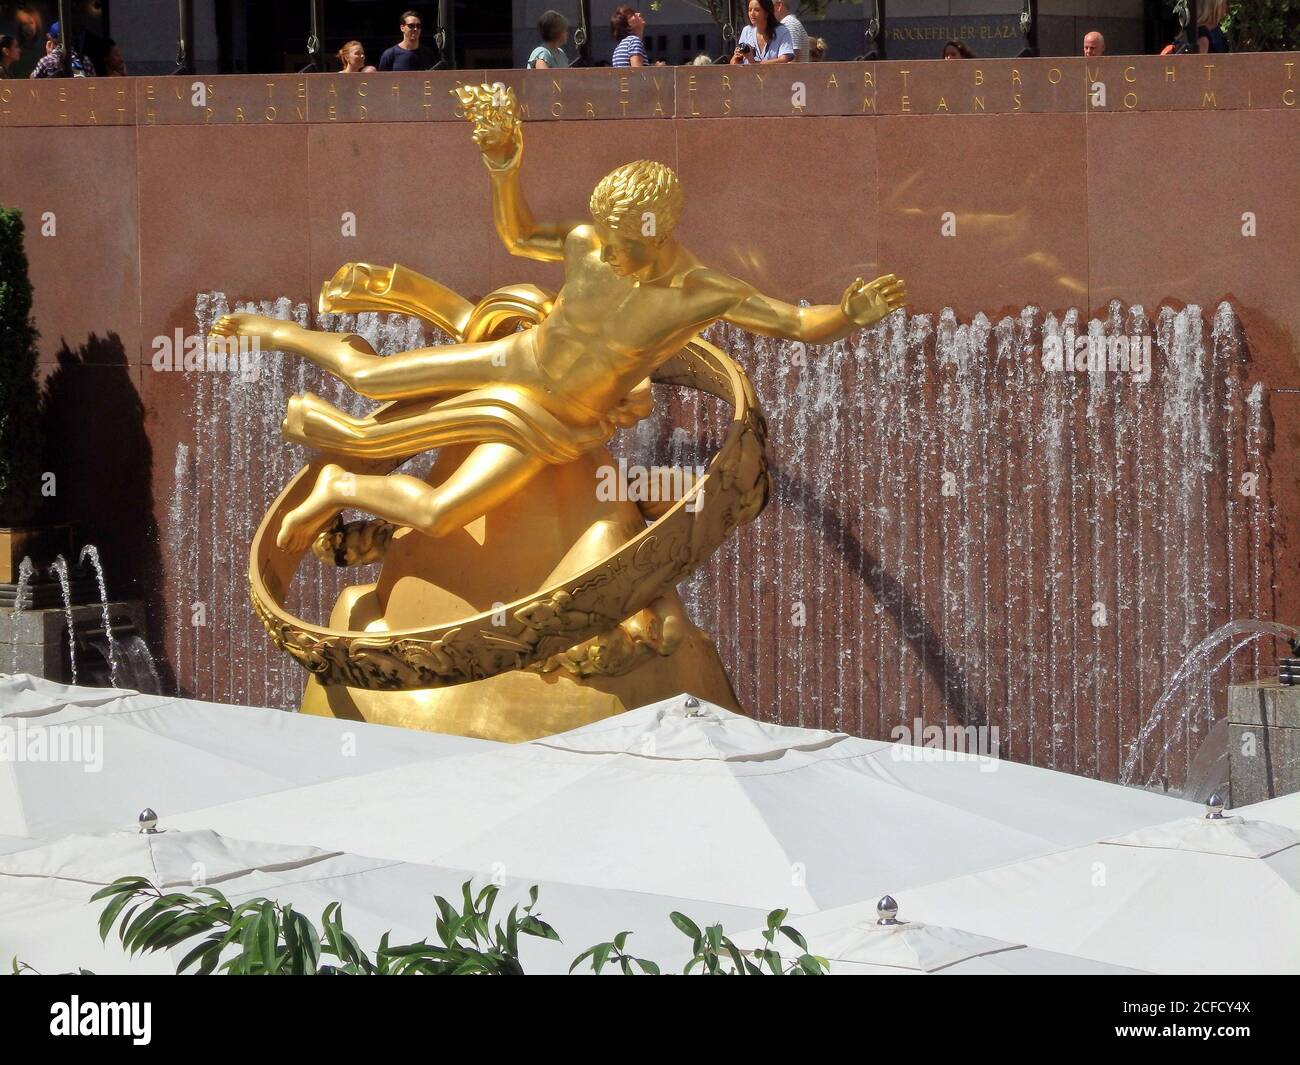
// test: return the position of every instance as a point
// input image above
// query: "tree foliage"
(1263, 25)
(20, 397)
(1255, 25)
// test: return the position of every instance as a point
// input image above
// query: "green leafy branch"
(271, 939)
(265, 938)
(714, 953)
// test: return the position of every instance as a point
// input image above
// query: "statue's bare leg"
(447, 368)
(488, 476)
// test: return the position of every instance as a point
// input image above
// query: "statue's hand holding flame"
(494, 110)
(866, 303)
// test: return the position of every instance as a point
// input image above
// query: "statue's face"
(627, 256)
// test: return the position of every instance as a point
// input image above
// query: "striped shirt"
(798, 37)
(628, 47)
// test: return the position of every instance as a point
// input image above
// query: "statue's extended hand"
(494, 110)
(865, 304)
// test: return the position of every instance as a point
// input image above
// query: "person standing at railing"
(798, 35)
(549, 55)
(764, 40)
(53, 64)
(352, 59)
(408, 53)
(114, 62)
(1209, 34)
(628, 24)
(10, 52)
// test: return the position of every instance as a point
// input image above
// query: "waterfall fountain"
(25, 571)
(126, 657)
(140, 666)
(79, 636)
(92, 553)
(60, 570)
(957, 535)
(1194, 666)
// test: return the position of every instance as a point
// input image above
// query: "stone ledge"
(1264, 703)
(1059, 85)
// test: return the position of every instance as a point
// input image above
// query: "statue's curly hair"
(625, 194)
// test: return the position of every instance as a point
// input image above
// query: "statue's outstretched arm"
(499, 135)
(863, 304)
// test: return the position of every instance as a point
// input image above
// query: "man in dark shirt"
(408, 54)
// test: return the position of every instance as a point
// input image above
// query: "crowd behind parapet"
(773, 34)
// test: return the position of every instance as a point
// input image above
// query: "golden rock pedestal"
(476, 570)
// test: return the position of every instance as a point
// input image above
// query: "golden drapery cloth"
(495, 414)
(490, 414)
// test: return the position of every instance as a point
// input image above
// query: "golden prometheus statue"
(513, 602)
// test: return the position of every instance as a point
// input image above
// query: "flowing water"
(226, 476)
(140, 667)
(21, 600)
(59, 567)
(90, 551)
(956, 533)
(1197, 665)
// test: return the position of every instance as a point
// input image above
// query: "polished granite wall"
(158, 190)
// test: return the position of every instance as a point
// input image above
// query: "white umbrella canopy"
(47, 921)
(696, 802)
(1284, 810)
(81, 759)
(1212, 894)
(9, 844)
(887, 946)
(23, 694)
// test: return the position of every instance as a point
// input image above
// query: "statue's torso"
(607, 332)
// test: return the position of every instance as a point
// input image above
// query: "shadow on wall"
(943, 665)
(102, 461)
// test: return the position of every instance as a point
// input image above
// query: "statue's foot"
(304, 523)
(243, 324)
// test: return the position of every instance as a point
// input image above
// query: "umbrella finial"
(148, 821)
(1214, 807)
(887, 910)
(692, 706)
